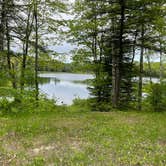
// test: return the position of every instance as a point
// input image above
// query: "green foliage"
(13, 101)
(101, 89)
(155, 69)
(83, 138)
(38, 161)
(4, 78)
(46, 63)
(5, 105)
(79, 105)
(157, 97)
(100, 106)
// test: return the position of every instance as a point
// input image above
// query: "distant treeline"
(152, 70)
(52, 65)
(73, 67)
(58, 66)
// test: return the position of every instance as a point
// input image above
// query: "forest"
(100, 99)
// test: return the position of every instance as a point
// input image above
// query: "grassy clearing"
(71, 138)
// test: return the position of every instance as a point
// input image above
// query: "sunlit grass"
(83, 138)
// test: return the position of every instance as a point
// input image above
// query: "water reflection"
(61, 86)
(64, 87)
(47, 80)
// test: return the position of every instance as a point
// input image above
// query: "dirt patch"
(43, 148)
(72, 144)
(66, 123)
(76, 144)
(11, 143)
(6, 160)
(162, 142)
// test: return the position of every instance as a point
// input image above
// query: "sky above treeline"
(63, 47)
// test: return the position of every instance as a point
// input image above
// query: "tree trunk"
(161, 63)
(25, 50)
(134, 47)
(141, 70)
(36, 51)
(2, 26)
(115, 79)
(117, 59)
(8, 47)
(149, 68)
(10, 67)
(114, 95)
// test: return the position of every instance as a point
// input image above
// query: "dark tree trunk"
(149, 68)
(134, 47)
(36, 51)
(8, 47)
(114, 96)
(10, 67)
(161, 62)
(115, 78)
(117, 59)
(25, 49)
(141, 70)
(2, 25)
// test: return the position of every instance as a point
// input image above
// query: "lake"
(64, 87)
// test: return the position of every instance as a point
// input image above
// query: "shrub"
(100, 106)
(5, 105)
(13, 101)
(157, 97)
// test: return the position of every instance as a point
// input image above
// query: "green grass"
(80, 138)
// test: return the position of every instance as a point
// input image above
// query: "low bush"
(99, 106)
(14, 101)
(157, 97)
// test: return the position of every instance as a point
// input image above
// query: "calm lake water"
(64, 87)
